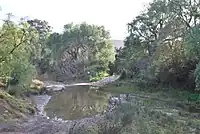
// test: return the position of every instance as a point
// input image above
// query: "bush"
(98, 76)
(17, 71)
(197, 77)
(16, 47)
(22, 75)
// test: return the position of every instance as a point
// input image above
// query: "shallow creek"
(76, 108)
(72, 103)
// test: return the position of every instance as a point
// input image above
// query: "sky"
(113, 14)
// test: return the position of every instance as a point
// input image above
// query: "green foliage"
(24, 71)
(82, 48)
(193, 50)
(98, 76)
(29, 46)
(16, 45)
(81, 38)
(197, 77)
(192, 43)
(194, 98)
(162, 46)
(41, 54)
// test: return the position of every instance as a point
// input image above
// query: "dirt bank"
(13, 109)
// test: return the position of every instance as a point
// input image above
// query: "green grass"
(120, 90)
(123, 87)
(168, 99)
(195, 121)
(98, 76)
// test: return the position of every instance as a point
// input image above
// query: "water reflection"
(77, 102)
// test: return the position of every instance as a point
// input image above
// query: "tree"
(154, 49)
(41, 56)
(82, 46)
(16, 42)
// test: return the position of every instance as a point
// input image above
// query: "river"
(74, 103)
(82, 110)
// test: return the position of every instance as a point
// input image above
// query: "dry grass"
(12, 108)
(36, 84)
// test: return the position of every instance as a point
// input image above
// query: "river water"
(76, 103)
(73, 103)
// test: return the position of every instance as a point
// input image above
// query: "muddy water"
(76, 103)
(41, 101)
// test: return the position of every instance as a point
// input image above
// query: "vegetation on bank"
(12, 109)
(29, 49)
(162, 48)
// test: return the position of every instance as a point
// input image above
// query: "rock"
(114, 100)
(42, 125)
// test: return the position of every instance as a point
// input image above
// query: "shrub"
(197, 77)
